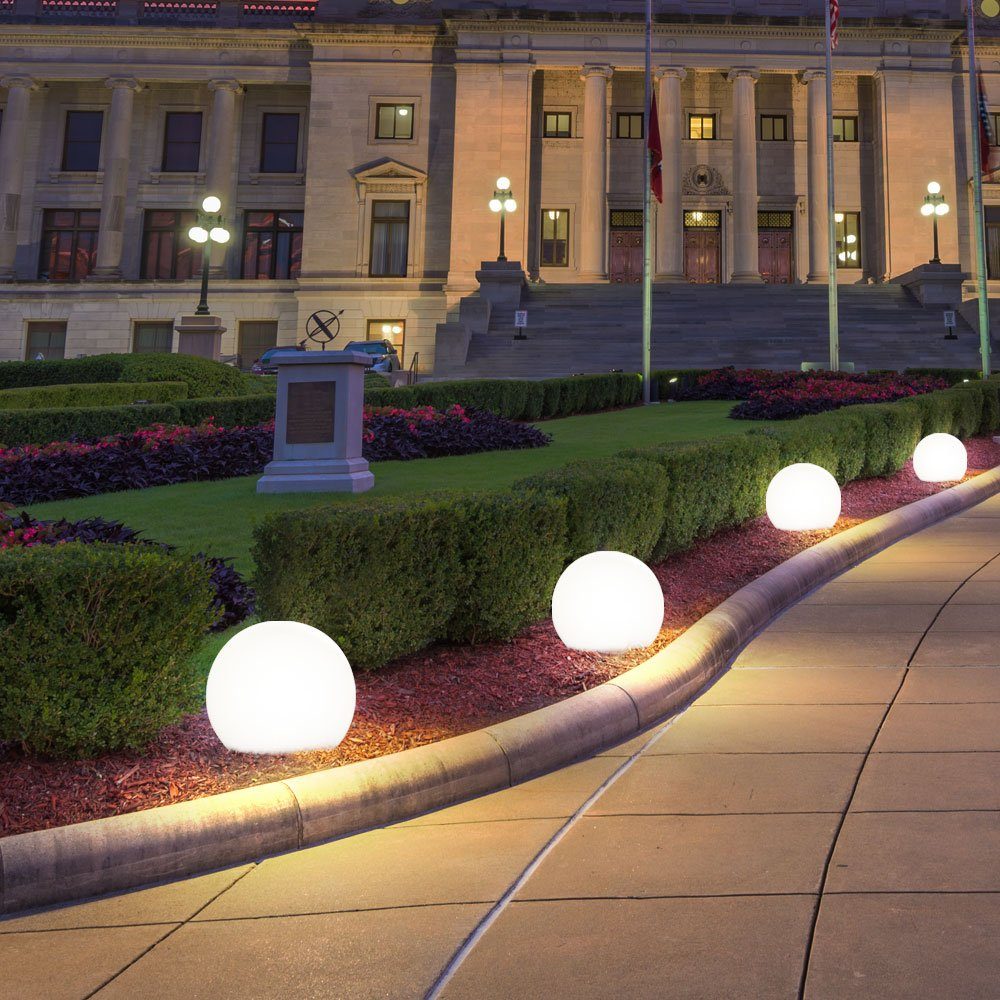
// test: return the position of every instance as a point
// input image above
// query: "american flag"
(986, 137)
(834, 22)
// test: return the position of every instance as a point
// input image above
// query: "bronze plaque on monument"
(309, 417)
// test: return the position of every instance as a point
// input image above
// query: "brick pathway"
(824, 822)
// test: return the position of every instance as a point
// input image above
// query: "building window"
(279, 144)
(393, 330)
(182, 142)
(69, 244)
(46, 341)
(698, 219)
(153, 338)
(557, 124)
(82, 140)
(166, 250)
(995, 126)
(272, 245)
(394, 121)
(701, 126)
(255, 337)
(773, 128)
(555, 237)
(845, 128)
(848, 239)
(629, 125)
(390, 239)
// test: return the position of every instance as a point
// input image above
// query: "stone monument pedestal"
(200, 336)
(318, 425)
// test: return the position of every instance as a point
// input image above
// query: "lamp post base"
(200, 335)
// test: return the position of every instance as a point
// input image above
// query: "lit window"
(629, 125)
(390, 239)
(848, 226)
(394, 121)
(555, 237)
(557, 124)
(701, 126)
(845, 128)
(393, 330)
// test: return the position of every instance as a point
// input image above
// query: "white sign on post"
(949, 317)
(520, 318)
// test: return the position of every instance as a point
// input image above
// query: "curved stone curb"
(121, 852)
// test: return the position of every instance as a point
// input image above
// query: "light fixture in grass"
(803, 497)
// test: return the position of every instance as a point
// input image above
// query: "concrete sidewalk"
(823, 822)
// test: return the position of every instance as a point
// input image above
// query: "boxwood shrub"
(83, 423)
(97, 645)
(387, 578)
(90, 394)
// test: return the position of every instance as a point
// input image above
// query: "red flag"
(834, 22)
(986, 136)
(655, 152)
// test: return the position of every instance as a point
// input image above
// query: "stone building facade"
(355, 145)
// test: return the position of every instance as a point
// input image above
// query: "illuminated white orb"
(607, 602)
(940, 458)
(803, 497)
(280, 687)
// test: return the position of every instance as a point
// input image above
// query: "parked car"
(265, 365)
(384, 357)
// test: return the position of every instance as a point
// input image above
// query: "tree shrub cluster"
(329, 566)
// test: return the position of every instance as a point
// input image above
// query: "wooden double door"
(774, 255)
(625, 263)
(703, 256)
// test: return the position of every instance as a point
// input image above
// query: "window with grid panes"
(272, 245)
(82, 140)
(773, 128)
(845, 128)
(848, 236)
(46, 340)
(153, 337)
(167, 252)
(555, 238)
(394, 121)
(557, 124)
(389, 239)
(701, 126)
(629, 125)
(279, 143)
(69, 244)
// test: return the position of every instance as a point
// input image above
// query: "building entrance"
(703, 247)
(774, 247)
(626, 249)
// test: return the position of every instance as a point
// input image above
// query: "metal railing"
(413, 369)
(218, 13)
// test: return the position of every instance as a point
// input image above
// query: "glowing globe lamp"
(280, 687)
(607, 602)
(940, 458)
(803, 497)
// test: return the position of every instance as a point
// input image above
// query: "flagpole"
(977, 187)
(834, 322)
(647, 223)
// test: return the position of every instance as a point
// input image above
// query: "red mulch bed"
(440, 692)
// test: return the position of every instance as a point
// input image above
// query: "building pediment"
(389, 174)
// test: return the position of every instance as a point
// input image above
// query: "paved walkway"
(824, 822)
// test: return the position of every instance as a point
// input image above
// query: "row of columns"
(117, 143)
(670, 214)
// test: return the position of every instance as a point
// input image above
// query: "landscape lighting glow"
(940, 458)
(803, 497)
(607, 602)
(280, 687)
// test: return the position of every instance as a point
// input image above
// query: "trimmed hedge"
(227, 411)
(91, 394)
(202, 376)
(97, 645)
(83, 423)
(386, 578)
(464, 568)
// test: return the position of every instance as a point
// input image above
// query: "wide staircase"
(593, 328)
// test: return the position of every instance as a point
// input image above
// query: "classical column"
(110, 236)
(593, 204)
(220, 176)
(819, 268)
(670, 215)
(745, 266)
(13, 139)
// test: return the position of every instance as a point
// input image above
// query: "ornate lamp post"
(934, 205)
(208, 229)
(502, 202)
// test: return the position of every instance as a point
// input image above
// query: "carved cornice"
(596, 69)
(742, 73)
(107, 36)
(662, 72)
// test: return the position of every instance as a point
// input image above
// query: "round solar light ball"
(607, 602)
(280, 687)
(803, 497)
(940, 458)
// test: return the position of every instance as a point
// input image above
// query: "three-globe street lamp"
(502, 202)
(934, 205)
(207, 229)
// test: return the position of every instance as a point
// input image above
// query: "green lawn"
(218, 517)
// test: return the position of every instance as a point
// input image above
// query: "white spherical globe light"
(607, 602)
(940, 458)
(803, 497)
(280, 687)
